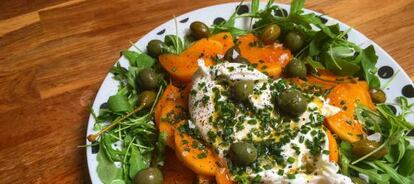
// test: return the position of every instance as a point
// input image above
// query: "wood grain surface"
(55, 54)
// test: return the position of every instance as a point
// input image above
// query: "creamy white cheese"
(202, 111)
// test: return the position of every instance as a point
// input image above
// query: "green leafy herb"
(119, 103)
(174, 44)
(107, 171)
(296, 6)
(137, 162)
(160, 149)
(407, 162)
(368, 61)
(392, 173)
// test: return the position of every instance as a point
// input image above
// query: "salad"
(288, 100)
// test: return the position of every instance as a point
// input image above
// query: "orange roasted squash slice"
(270, 59)
(169, 110)
(347, 96)
(182, 67)
(225, 39)
(223, 174)
(199, 159)
(333, 147)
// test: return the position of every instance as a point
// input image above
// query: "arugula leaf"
(341, 57)
(315, 46)
(160, 149)
(144, 61)
(371, 120)
(345, 149)
(174, 44)
(119, 103)
(131, 56)
(392, 173)
(139, 60)
(315, 65)
(407, 162)
(107, 171)
(255, 6)
(368, 61)
(373, 175)
(296, 6)
(136, 162)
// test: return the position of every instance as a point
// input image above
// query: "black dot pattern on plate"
(393, 109)
(323, 19)
(408, 91)
(385, 72)
(411, 133)
(161, 32)
(104, 106)
(184, 20)
(95, 149)
(242, 9)
(281, 12)
(218, 21)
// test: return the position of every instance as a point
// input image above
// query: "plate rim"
(108, 78)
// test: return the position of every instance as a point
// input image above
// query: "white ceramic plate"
(401, 85)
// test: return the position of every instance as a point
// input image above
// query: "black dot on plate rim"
(104, 106)
(218, 20)
(241, 9)
(95, 149)
(323, 19)
(161, 32)
(408, 91)
(411, 133)
(385, 72)
(184, 20)
(393, 109)
(280, 12)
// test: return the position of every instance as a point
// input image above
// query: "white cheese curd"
(211, 91)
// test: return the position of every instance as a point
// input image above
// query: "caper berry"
(292, 102)
(365, 146)
(294, 41)
(378, 96)
(242, 90)
(242, 153)
(296, 68)
(270, 33)
(146, 98)
(155, 48)
(147, 79)
(149, 176)
(199, 30)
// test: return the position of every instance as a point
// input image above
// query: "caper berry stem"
(93, 137)
(341, 80)
(371, 153)
(144, 103)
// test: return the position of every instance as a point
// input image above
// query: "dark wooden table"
(55, 54)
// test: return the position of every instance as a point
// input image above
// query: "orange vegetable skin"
(325, 79)
(204, 179)
(174, 171)
(270, 59)
(346, 96)
(182, 67)
(169, 107)
(205, 166)
(333, 147)
(223, 174)
(225, 39)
